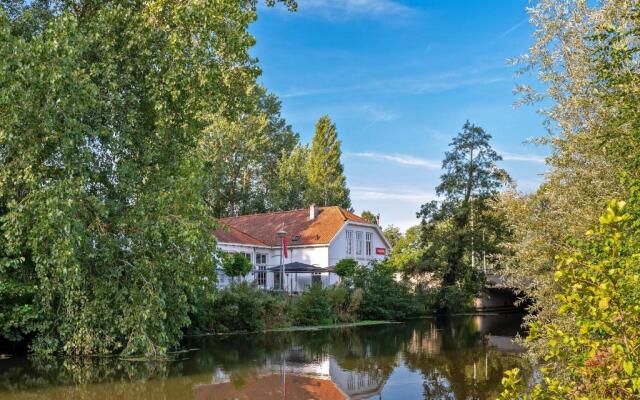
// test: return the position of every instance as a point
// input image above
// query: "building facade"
(316, 239)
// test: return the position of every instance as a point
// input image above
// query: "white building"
(317, 238)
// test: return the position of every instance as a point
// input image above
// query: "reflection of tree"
(443, 351)
(462, 367)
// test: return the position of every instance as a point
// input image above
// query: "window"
(247, 256)
(359, 243)
(369, 244)
(261, 274)
(261, 259)
(316, 279)
(349, 242)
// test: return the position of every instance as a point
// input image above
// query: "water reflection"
(445, 358)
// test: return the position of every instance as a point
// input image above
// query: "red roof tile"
(263, 227)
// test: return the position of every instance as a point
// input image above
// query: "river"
(458, 357)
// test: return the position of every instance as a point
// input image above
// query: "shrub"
(241, 307)
(599, 292)
(345, 267)
(313, 307)
(383, 298)
(235, 264)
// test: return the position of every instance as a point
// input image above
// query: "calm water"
(444, 358)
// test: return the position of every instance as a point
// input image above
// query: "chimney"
(378, 219)
(312, 212)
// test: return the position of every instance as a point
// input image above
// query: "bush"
(383, 298)
(241, 307)
(345, 267)
(599, 292)
(313, 307)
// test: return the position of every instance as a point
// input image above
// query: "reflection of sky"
(403, 384)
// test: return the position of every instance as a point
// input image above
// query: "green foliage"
(313, 307)
(393, 234)
(241, 307)
(369, 217)
(325, 173)
(106, 244)
(599, 291)
(383, 298)
(235, 264)
(407, 252)
(346, 267)
(463, 225)
(243, 155)
(291, 182)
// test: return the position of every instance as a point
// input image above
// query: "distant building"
(317, 238)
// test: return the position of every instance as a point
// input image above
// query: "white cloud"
(345, 8)
(403, 159)
(534, 158)
(384, 193)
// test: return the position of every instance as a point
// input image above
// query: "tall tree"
(325, 173)
(105, 238)
(462, 226)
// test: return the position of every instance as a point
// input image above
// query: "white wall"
(321, 256)
(338, 246)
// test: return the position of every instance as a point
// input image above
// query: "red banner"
(381, 251)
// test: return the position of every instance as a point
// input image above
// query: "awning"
(298, 267)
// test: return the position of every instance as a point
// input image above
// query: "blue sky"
(399, 78)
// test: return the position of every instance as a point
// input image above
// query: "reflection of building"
(295, 376)
(355, 384)
(427, 341)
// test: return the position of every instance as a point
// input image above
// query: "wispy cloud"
(342, 9)
(378, 114)
(412, 84)
(403, 159)
(509, 31)
(378, 193)
(534, 158)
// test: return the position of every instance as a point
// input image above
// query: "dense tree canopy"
(105, 235)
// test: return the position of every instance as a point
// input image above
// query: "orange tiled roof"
(260, 229)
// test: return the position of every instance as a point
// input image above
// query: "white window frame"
(369, 243)
(359, 242)
(261, 267)
(349, 236)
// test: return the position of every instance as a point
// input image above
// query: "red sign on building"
(381, 251)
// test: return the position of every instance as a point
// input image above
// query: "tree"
(407, 252)
(589, 92)
(291, 185)
(325, 173)
(243, 156)
(370, 217)
(235, 265)
(393, 234)
(345, 267)
(106, 243)
(462, 226)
